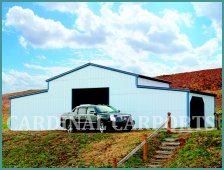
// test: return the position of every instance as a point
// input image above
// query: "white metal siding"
(58, 99)
(209, 108)
(34, 112)
(150, 104)
(123, 92)
(146, 82)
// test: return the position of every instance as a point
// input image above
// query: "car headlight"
(99, 117)
(132, 118)
(112, 118)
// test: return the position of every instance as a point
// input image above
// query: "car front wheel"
(127, 129)
(70, 127)
(103, 127)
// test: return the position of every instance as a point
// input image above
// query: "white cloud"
(68, 7)
(177, 17)
(40, 32)
(49, 71)
(208, 48)
(23, 42)
(98, 31)
(213, 11)
(129, 37)
(47, 33)
(14, 81)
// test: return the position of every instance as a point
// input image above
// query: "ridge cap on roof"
(105, 67)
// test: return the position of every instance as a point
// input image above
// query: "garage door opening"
(197, 109)
(90, 96)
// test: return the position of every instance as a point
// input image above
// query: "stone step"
(162, 156)
(164, 152)
(191, 130)
(158, 162)
(171, 139)
(168, 147)
(154, 166)
(154, 160)
(171, 143)
(183, 131)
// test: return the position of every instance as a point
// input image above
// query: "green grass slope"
(202, 150)
(59, 149)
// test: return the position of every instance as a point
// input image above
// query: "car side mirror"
(118, 111)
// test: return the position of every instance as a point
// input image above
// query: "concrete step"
(162, 156)
(154, 166)
(168, 147)
(182, 131)
(164, 152)
(154, 160)
(171, 139)
(158, 162)
(170, 143)
(190, 130)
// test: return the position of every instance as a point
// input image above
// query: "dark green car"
(96, 117)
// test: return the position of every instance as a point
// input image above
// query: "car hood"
(117, 114)
(64, 114)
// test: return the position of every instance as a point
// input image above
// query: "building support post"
(217, 121)
(169, 123)
(145, 148)
(114, 163)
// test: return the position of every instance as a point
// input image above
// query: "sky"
(41, 40)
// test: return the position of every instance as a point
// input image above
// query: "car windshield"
(106, 109)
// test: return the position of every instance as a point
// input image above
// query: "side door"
(82, 115)
(91, 117)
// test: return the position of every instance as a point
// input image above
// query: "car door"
(82, 116)
(74, 117)
(91, 116)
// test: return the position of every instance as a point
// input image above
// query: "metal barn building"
(147, 99)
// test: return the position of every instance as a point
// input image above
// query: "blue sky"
(41, 40)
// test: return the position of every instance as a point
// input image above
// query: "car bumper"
(114, 125)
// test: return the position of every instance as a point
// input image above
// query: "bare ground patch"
(100, 153)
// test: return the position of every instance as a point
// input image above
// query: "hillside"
(203, 80)
(58, 149)
(203, 149)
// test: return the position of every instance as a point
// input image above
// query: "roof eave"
(28, 94)
(155, 79)
(203, 93)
